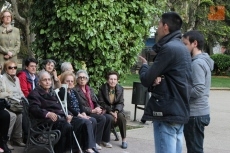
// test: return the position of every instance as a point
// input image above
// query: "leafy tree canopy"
(195, 16)
(102, 34)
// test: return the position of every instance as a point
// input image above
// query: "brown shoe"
(19, 142)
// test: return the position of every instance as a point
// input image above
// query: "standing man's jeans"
(194, 133)
(168, 137)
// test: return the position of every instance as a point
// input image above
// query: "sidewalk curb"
(212, 88)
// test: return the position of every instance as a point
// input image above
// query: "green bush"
(222, 63)
(105, 35)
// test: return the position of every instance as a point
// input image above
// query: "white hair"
(82, 71)
(42, 73)
(65, 66)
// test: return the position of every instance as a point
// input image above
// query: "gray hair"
(82, 71)
(41, 74)
(48, 61)
(65, 66)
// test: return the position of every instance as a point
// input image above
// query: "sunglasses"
(12, 67)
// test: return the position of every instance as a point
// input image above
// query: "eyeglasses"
(12, 67)
(82, 77)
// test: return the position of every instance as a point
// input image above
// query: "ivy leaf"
(72, 38)
(42, 31)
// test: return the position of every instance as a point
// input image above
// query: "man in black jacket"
(169, 80)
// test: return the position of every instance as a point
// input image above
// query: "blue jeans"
(168, 137)
(194, 133)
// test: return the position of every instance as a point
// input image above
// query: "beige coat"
(10, 88)
(9, 42)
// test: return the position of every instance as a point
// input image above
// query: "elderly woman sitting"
(111, 98)
(10, 88)
(93, 109)
(43, 103)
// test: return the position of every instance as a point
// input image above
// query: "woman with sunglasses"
(10, 88)
(87, 139)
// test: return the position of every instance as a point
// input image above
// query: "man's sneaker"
(98, 147)
(1, 150)
(9, 145)
(18, 142)
(107, 145)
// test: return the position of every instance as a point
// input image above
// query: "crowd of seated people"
(89, 118)
(88, 143)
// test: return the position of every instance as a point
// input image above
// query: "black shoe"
(25, 139)
(124, 145)
(95, 150)
(3, 145)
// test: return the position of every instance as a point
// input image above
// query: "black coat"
(41, 102)
(170, 99)
(83, 100)
(104, 100)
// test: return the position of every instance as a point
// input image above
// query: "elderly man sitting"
(43, 103)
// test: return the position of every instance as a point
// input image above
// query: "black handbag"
(15, 105)
(4, 104)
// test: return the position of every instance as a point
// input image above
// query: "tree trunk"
(26, 23)
(17, 15)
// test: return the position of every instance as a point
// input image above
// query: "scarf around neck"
(87, 95)
(7, 28)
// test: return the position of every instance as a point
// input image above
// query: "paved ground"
(217, 134)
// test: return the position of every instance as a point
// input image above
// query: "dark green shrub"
(222, 63)
(101, 35)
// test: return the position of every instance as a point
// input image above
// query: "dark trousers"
(121, 123)
(65, 142)
(103, 127)
(25, 127)
(194, 133)
(5, 123)
(83, 130)
(87, 137)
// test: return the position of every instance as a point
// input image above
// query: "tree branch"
(17, 16)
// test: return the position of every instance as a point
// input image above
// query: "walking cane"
(64, 108)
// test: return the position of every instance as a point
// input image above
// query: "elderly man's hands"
(52, 116)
